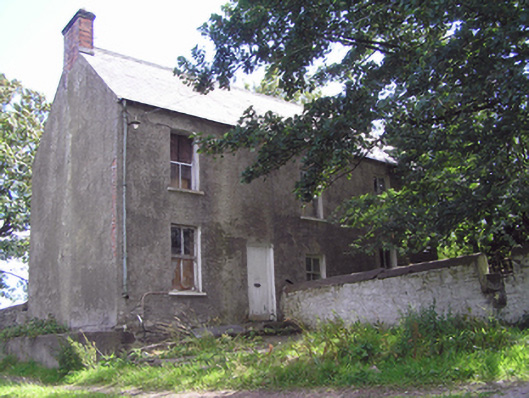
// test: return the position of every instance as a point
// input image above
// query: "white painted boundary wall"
(460, 286)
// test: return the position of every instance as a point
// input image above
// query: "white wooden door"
(261, 286)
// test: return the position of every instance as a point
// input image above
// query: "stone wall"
(45, 349)
(461, 286)
(14, 315)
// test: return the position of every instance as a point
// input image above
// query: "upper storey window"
(183, 162)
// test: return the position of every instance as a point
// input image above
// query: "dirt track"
(505, 390)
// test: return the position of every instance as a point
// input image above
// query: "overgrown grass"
(31, 390)
(11, 368)
(425, 349)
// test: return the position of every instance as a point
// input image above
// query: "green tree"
(22, 116)
(447, 80)
(271, 85)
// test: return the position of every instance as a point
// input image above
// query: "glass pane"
(185, 149)
(175, 175)
(174, 147)
(189, 241)
(382, 184)
(185, 177)
(176, 242)
(379, 184)
(315, 208)
(308, 264)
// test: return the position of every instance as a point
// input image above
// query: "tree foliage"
(271, 85)
(22, 116)
(447, 79)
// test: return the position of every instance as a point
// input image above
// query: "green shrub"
(33, 328)
(74, 356)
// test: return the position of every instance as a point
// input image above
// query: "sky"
(31, 42)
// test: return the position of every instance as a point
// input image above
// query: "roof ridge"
(170, 69)
(130, 58)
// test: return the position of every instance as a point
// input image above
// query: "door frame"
(254, 312)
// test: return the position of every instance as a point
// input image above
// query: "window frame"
(194, 165)
(313, 210)
(387, 258)
(197, 288)
(380, 184)
(322, 267)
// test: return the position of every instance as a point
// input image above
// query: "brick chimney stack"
(78, 37)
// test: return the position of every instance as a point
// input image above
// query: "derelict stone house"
(133, 221)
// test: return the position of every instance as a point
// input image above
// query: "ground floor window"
(185, 260)
(379, 184)
(387, 258)
(314, 267)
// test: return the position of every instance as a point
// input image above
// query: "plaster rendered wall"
(76, 248)
(517, 289)
(229, 214)
(73, 253)
(455, 288)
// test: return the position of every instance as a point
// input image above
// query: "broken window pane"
(188, 274)
(184, 274)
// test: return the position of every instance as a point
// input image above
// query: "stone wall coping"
(16, 308)
(383, 273)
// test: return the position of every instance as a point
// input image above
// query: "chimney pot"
(78, 37)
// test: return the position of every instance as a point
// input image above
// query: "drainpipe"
(125, 291)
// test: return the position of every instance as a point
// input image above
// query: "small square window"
(314, 267)
(185, 258)
(313, 209)
(387, 258)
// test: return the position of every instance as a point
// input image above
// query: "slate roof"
(156, 85)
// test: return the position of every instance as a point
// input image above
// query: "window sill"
(313, 219)
(171, 189)
(191, 293)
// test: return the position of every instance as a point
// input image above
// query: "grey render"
(77, 268)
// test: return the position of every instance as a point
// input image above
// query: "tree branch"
(15, 275)
(371, 44)
(6, 227)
